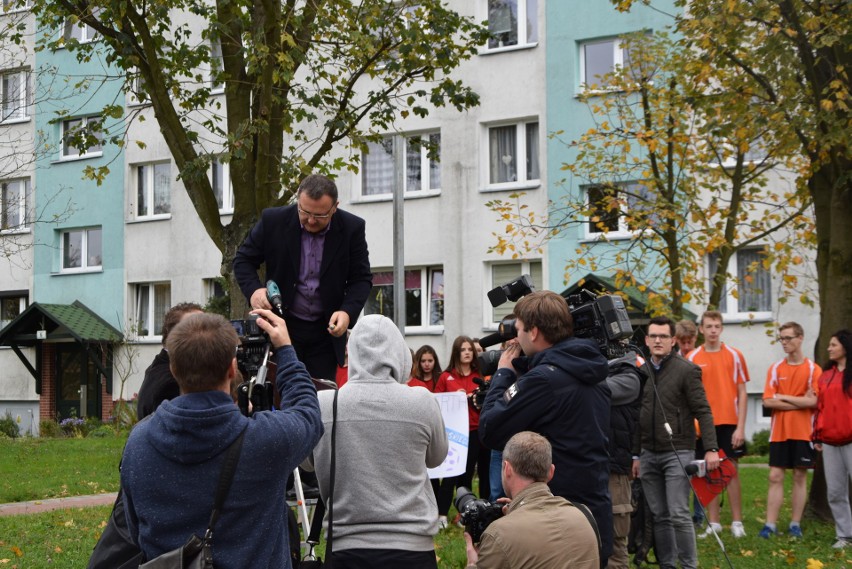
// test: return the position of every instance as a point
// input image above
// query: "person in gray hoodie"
(388, 433)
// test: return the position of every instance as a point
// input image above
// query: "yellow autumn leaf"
(17, 551)
(57, 549)
(815, 564)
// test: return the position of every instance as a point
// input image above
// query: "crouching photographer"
(537, 529)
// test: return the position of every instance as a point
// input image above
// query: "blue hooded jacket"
(562, 394)
(172, 462)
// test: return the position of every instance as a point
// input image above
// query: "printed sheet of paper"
(454, 409)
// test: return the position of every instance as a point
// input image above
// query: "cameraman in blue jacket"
(553, 384)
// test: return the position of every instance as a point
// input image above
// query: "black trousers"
(384, 558)
(479, 460)
(313, 346)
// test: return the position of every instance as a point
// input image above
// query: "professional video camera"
(252, 358)
(476, 514)
(602, 318)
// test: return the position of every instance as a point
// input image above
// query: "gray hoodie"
(387, 435)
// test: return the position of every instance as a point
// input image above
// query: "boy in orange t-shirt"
(724, 374)
(791, 393)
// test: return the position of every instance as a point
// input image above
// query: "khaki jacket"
(540, 531)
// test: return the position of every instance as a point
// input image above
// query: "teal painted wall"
(569, 24)
(60, 185)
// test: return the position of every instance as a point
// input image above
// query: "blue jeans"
(496, 475)
(667, 489)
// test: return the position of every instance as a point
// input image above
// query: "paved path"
(38, 506)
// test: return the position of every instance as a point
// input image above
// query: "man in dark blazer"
(317, 255)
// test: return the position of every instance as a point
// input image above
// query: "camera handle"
(256, 394)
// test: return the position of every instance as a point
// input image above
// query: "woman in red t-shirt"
(426, 368)
(459, 376)
(833, 433)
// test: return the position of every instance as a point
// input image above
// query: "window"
(82, 137)
(82, 250)
(748, 291)
(513, 152)
(599, 58)
(16, 95)
(424, 296)
(76, 30)
(153, 190)
(502, 273)
(152, 300)
(422, 165)
(11, 306)
(220, 179)
(14, 197)
(610, 206)
(216, 66)
(512, 23)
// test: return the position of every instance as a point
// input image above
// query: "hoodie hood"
(577, 356)
(377, 351)
(216, 422)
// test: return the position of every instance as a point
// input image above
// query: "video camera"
(252, 358)
(602, 318)
(476, 514)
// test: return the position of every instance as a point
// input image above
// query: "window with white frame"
(16, 95)
(610, 207)
(599, 58)
(82, 137)
(748, 289)
(77, 30)
(424, 296)
(503, 273)
(422, 165)
(14, 199)
(512, 23)
(220, 179)
(153, 190)
(513, 155)
(12, 303)
(151, 301)
(216, 66)
(82, 249)
(139, 90)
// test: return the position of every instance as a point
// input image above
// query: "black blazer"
(345, 277)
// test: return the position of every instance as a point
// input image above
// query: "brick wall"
(47, 401)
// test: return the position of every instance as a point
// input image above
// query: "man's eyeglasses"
(786, 338)
(660, 337)
(316, 216)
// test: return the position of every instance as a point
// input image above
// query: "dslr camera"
(476, 514)
(252, 358)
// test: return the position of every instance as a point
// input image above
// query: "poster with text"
(454, 409)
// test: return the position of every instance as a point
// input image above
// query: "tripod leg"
(301, 506)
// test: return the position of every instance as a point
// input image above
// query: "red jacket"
(833, 422)
(414, 382)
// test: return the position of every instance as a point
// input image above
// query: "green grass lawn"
(35, 469)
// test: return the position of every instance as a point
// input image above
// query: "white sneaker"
(841, 544)
(709, 531)
(442, 522)
(737, 529)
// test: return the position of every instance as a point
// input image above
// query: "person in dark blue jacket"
(173, 459)
(553, 384)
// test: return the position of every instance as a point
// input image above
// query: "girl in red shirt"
(460, 375)
(426, 368)
(833, 433)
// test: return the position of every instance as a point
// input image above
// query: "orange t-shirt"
(721, 373)
(787, 379)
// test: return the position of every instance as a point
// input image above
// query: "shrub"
(102, 431)
(759, 443)
(49, 428)
(73, 427)
(9, 427)
(124, 413)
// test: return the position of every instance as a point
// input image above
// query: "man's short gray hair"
(530, 455)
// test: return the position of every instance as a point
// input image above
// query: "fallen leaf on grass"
(57, 549)
(69, 524)
(815, 564)
(4, 561)
(747, 553)
(102, 524)
(17, 551)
